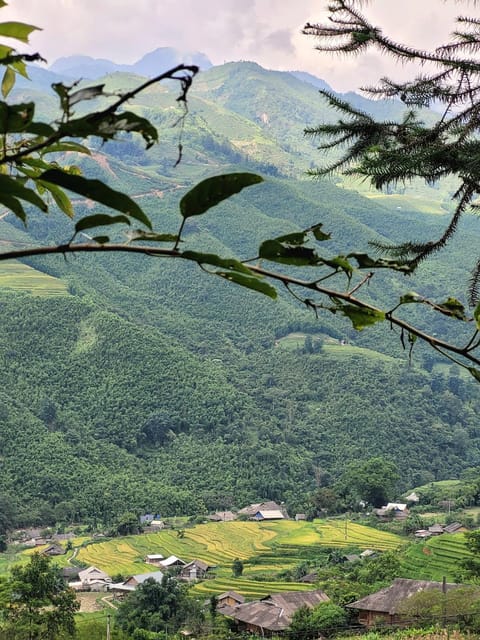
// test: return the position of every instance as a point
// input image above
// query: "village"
(271, 613)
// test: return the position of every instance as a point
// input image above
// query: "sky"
(266, 31)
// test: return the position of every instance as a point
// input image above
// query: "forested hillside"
(149, 385)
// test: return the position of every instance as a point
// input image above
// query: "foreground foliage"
(36, 603)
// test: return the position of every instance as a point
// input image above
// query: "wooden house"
(120, 589)
(229, 599)
(385, 606)
(195, 570)
(252, 509)
(154, 558)
(273, 614)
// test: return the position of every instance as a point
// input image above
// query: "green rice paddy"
(265, 549)
(16, 276)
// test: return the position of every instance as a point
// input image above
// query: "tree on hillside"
(373, 481)
(472, 563)
(237, 568)
(387, 153)
(155, 606)
(37, 604)
(324, 620)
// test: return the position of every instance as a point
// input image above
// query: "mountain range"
(140, 384)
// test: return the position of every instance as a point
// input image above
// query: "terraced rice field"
(248, 588)
(437, 557)
(265, 548)
(20, 277)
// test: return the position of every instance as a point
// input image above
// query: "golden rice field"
(265, 548)
(20, 277)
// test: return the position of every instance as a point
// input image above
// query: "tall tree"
(38, 604)
(155, 606)
(372, 481)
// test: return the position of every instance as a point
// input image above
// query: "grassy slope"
(436, 557)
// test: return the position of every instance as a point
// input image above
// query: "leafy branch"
(387, 153)
(384, 152)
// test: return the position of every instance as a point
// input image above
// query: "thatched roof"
(275, 612)
(390, 599)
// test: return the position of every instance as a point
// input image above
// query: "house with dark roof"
(195, 570)
(222, 516)
(54, 550)
(229, 599)
(454, 527)
(273, 614)
(385, 606)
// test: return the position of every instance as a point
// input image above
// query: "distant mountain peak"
(151, 64)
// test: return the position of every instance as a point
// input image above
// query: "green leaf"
(275, 251)
(340, 263)
(18, 30)
(366, 262)
(476, 315)
(453, 308)
(64, 146)
(411, 297)
(106, 125)
(8, 81)
(360, 317)
(16, 118)
(318, 233)
(20, 67)
(14, 205)
(151, 236)
(97, 191)
(475, 373)
(212, 191)
(40, 129)
(217, 261)
(99, 220)
(297, 238)
(61, 199)
(249, 283)
(11, 186)
(86, 94)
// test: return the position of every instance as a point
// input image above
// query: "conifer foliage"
(390, 152)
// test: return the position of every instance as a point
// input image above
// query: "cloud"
(267, 31)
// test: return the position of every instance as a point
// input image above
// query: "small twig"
(364, 280)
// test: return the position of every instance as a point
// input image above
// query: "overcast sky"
(267, 31)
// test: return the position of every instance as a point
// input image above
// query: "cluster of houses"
(270, 615)
(94, 579)
(273, 614)
(269, 510)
